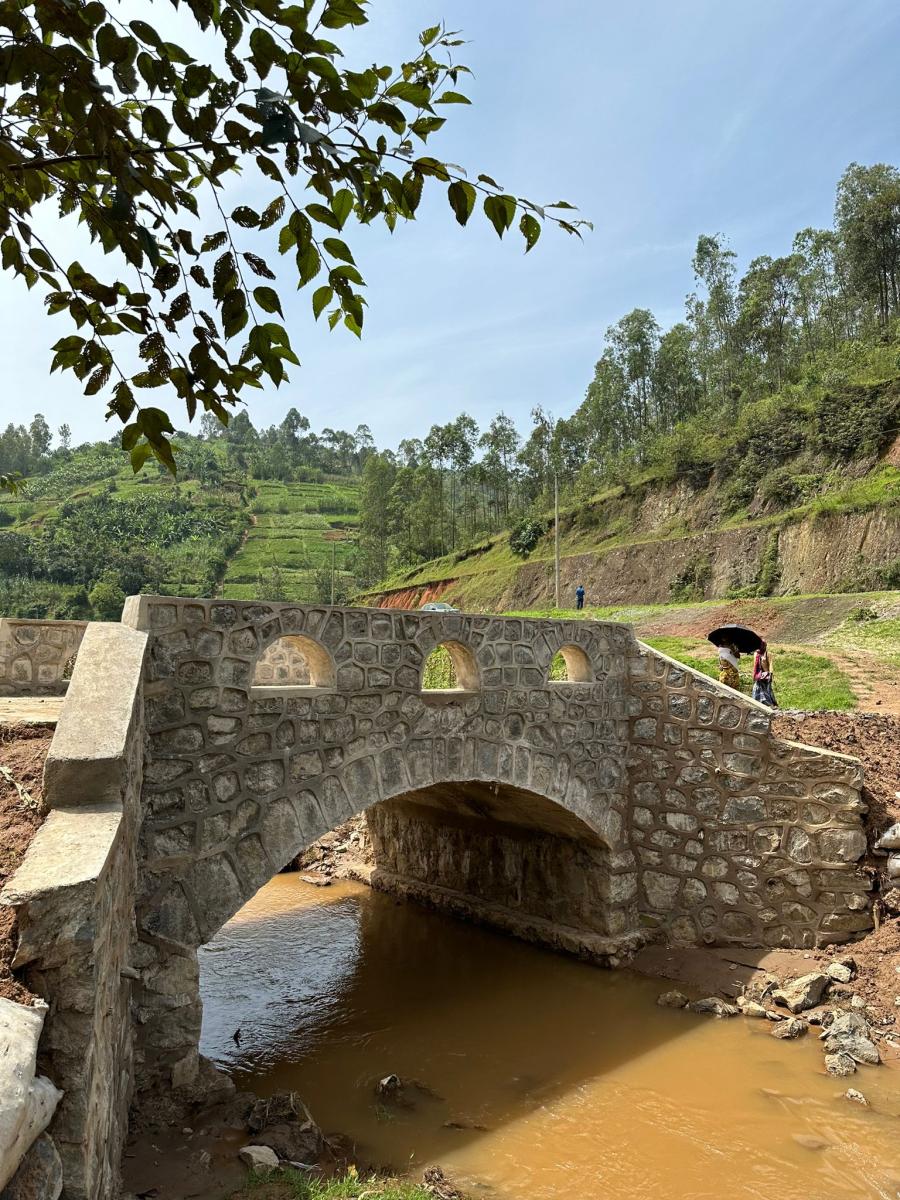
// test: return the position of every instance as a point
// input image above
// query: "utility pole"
(556, 532)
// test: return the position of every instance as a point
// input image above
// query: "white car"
(438, 606)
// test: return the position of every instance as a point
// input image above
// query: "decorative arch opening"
(450, 667)
(293, 662)
(571, 665)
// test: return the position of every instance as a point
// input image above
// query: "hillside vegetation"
(250, 515)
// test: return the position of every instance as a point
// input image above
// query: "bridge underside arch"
(502, 855)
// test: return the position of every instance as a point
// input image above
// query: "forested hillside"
(750, 449)
(776, 398)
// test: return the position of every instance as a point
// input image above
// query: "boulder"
(714, 1006)
(856, 1097)
(840, 972)
(27, 1100)
(673, 999)
(389, 1087)
(860, 1049)
(893, 866)
(283, 1123)
(801, 993)
(750, 1008)
(890, 839)
(839, 1064)
(40, 1174)
(788, 1030)
(258, 1158)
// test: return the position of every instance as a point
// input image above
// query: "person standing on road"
(579, 596)
(729, 657)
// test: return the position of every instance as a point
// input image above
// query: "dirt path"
(875, 683)
(30, 710)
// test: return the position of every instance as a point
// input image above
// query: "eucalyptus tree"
(107, 123)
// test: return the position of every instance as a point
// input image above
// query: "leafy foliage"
(134, 137)
(525, 536)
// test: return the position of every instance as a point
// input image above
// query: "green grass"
(288, 1184)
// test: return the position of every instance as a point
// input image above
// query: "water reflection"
(549, 1078)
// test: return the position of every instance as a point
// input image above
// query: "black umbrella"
(743, 639)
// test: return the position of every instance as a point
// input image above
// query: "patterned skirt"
(728, 673)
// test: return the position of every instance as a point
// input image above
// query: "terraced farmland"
(295, 529)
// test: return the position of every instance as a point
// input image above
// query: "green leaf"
(322, 297)
(309, 264)
(462, 200)
(352, 324)
(156, 127)
(427, 36)
(323, 215)
(423, 126)
(497, 213)
(452, 98)
(342, 206)
(531, 230)
(561, 204)
(339, 13)
(338, 249)
(139, 456)
(418, 94)
(267, 299)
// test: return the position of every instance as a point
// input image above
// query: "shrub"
(106, 598)
(525, 536)
(862, 613)
(692, 580)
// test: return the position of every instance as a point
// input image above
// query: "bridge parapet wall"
(36, 656)
(740, 837)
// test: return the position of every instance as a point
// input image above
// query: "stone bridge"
(204, 743)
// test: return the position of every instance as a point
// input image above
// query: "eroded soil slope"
(23, 749)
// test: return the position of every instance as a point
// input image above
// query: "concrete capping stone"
(70, 850)
(87, 760)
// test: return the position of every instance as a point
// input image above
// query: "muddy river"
(538, 1076)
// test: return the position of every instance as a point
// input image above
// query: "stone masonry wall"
(739, 837)
(711, 829)
(74, 894)
(35, 656)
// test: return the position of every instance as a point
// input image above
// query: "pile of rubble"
(849, 1029)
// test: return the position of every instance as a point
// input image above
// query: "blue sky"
(660, 119)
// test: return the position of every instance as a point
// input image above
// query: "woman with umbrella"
(733, 641)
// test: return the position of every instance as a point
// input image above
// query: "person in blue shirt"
(579, 596)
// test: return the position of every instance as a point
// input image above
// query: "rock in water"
(673, 999)
(40, 1175)
(810, 1142)
(750, 1008)
(258, 1158)
(856, 1097)
(860, 1049)
(389, 1087)
(839, 1064)
(839, 972)
(791, 1029)
(283, 1123)
(849, 1034)
(804, 992)
(714, 1006)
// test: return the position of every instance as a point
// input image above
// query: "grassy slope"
(289, 1184)
(494, 560)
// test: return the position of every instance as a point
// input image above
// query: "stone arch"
(186, 907)
(293, 661)
(464, 668)
(579, 668)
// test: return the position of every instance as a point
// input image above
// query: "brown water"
(549, 1079)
